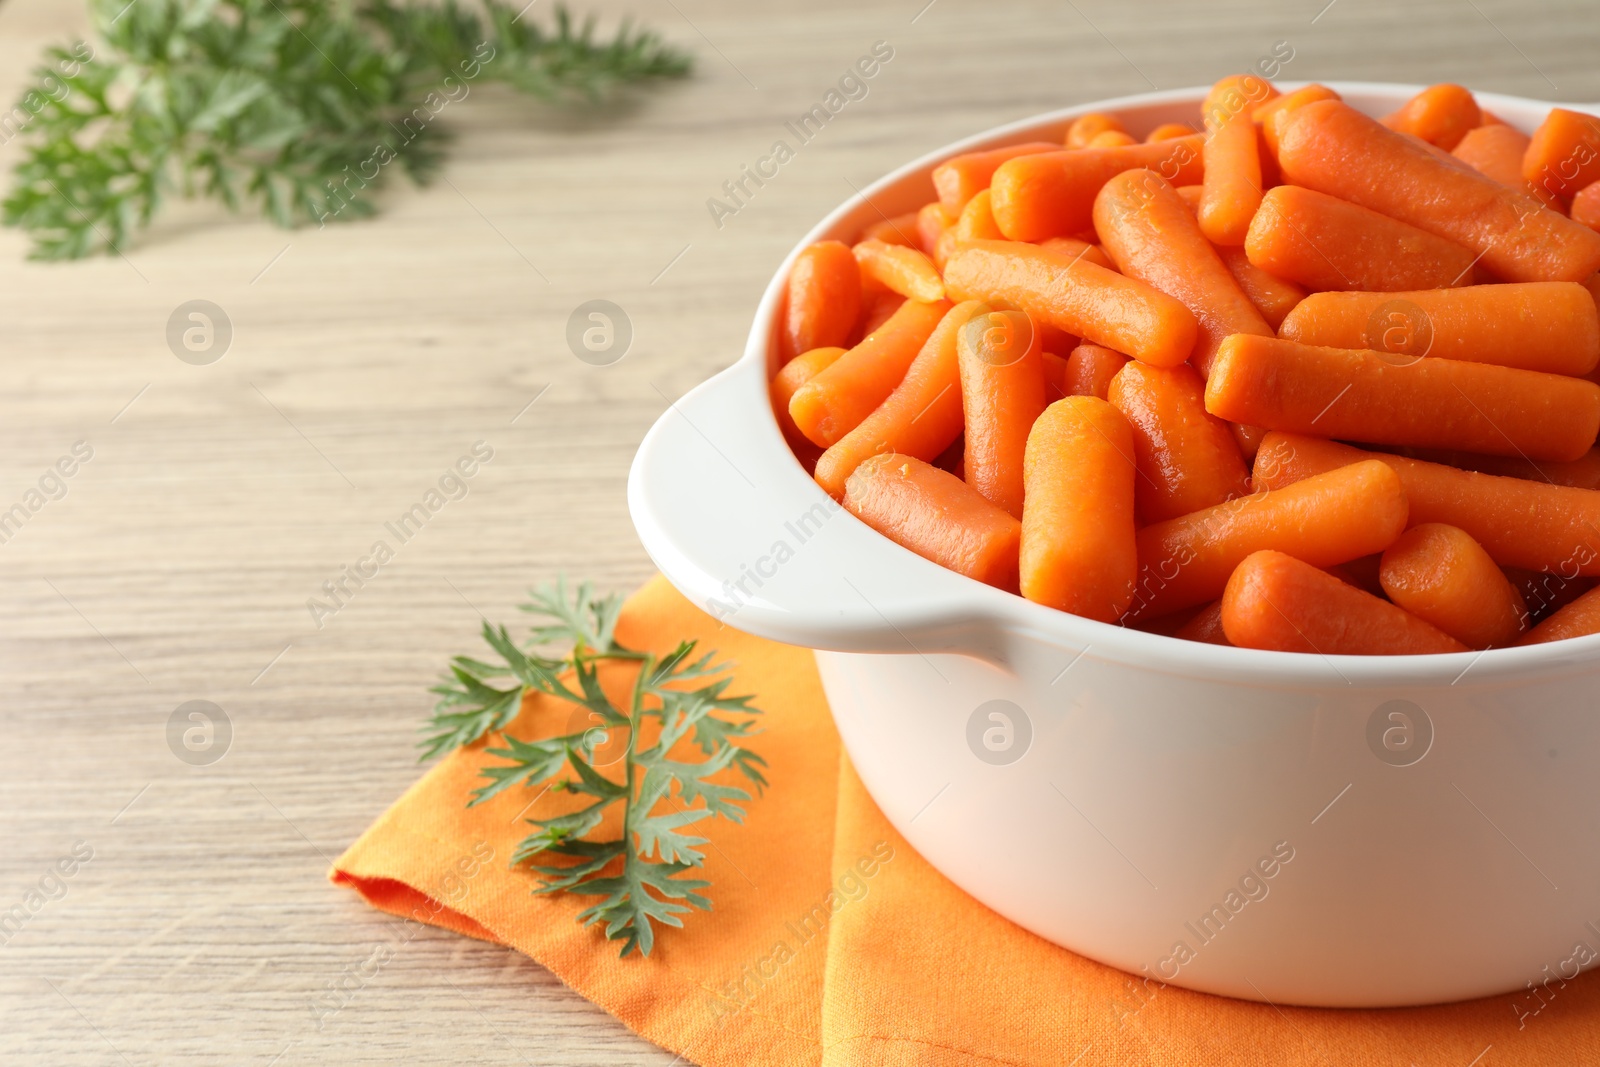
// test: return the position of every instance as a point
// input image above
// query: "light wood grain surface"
(365, 359)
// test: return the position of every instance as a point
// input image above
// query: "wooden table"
(364, 360)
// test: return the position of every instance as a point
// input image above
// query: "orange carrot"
(1276, 602)
(919, 419)
(1191, 195)
(1055, 377)
(1086, 128)
(1441, 575)
(1231, 188)
(1052, 194)
(1089, 301)
(791, 376)
(1272, 116)
(1360, 395)
(1271, 295)
(1543, 326)
(932, 221)
(899, 230)
(1361, 573)
(1564, 153)
(937, 516)
(1090, 369)
(977, 220)
(1586, 206)
(1236, 94)
(1578, 619)
(903, 270)
(1581, 473)
(877, 308)
(1186, 458)
(1496, 151)
(823, 298)
(1073, 248)
(1440, 114)
(1338, 516)
(1002, 393)
(1519, 523)
(1152, 236)
(1111, 139)
(960, 179)
(1322, 242)
(1248, 438)
(1206, 626)
(1077, 524)
(1335, 149)
(834, 402)
(1168, 131)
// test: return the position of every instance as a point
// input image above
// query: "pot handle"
(737, 525)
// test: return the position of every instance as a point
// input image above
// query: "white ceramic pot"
(1346, 831)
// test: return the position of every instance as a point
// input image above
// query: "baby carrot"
(1441, 575)
(1186, 458)
(1152, 236)
(1191, 195)
(1322, 242)
(791, 376)
(1073, 248)
(1496, 151)
(1233, 95)
(1090, 369)
(1564, 153)
(919, 419)
(1002, 393)
(1055, 377)
(937, 516)
(1168, 131)
(1077, 523)
(1340, 515)
(1520, 523)
(1085, 300)
(834, 402)
(1543, 326)
(1271, 295)
(977, 220)
(822, 301)
(1369, 396)
(877, 308)
(1248, 438)
(1086, 128)
(960, 179)
(1334, 149)
(1052, 194)
(1271, 116)
(1230, 191)
(1361, 573)
(1276, 602)
(903, 270)
(1111, 139)
(1586, 206)
(899, 230)
(1578, 619)
(932, 220)
(1581, 473)
(1440, 114)
(1206, 626)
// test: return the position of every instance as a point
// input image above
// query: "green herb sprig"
(299, 107)
(639, 875)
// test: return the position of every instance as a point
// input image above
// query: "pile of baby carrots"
(1295, 378)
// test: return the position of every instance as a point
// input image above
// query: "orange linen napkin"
(833, 943)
